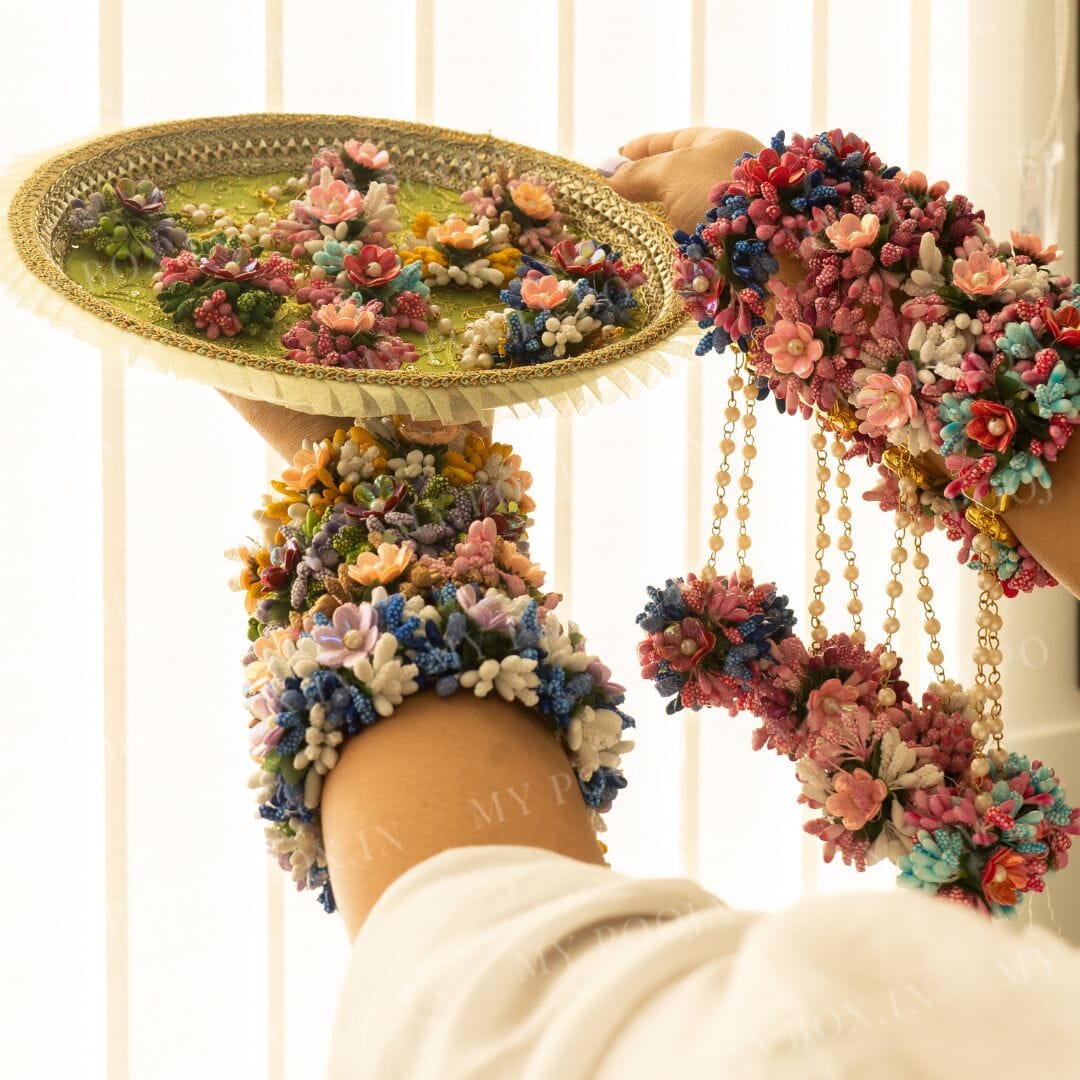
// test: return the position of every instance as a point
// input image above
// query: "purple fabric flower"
(350, 635)
(488, 613)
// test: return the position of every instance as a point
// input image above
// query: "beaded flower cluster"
(890, 777)
(868, 293)
(392, 561)
(369, 286)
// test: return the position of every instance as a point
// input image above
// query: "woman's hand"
(284, 429)
(679, 168)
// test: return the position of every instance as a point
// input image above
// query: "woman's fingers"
(643, 180)
(661, 142)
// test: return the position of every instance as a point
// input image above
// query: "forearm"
(1047, 521)
(445, 773)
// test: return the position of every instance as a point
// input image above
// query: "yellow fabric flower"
(422, 223)
(278, 509)
(506, 260)
(422, 253)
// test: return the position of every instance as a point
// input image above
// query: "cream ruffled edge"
(576, 392)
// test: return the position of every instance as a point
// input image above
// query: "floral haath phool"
(926, 783)
(394, 560)
(127, 221)
(906, 317)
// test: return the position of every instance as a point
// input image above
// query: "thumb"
(642, 180)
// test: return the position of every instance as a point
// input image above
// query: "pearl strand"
(746, 483)
(818, 631)
(909, 495)
(845, 543)
(987, 656)
(723, 476)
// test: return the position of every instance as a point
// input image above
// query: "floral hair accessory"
(914, 330)
(387, 567)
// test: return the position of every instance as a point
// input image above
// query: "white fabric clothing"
(505, 961)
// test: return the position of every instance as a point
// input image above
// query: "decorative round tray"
(191, 157)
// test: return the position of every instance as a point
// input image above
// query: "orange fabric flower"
(857, 798)
(309, 468)
(381, 567)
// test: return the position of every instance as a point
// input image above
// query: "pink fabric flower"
(333, 202)
(1030, 245)
(477, 550)
(350, 636)
(793, 348)
(829, 702)
(885, 402)
(373, 266)
(992, 425)
(542, 292)
(852, 232)
(366, 154)
(857, 798)
(184, 267)
(345, 318)
(980, 274)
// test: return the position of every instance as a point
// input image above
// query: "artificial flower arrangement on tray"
(393, 559)
(947, 355)
(343, 266)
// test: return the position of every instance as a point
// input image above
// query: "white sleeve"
(514, 962)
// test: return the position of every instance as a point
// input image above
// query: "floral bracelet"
(908, 326)
(394, 560)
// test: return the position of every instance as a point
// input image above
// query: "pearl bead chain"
(723, 476)
(818, 631)
(845, 543)
(987, 657)
(746, 483)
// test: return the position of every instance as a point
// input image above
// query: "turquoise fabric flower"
(1018, 341)
(1059, 395)
(956, 413)
(933, 861)
(1022, 468)
(332, 256)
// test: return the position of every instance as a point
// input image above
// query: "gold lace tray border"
(262, 142)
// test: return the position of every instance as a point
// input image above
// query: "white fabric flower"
(321, 743)
(895, 839)
(299, 852)
(299, 658)
(513, 677)
(927, 277)
(356, 463)
(388, 679)
(559, 648)
(414, 464)
(899, 767)
(481, 340)
(594, 738)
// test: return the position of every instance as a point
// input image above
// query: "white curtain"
(145, 935)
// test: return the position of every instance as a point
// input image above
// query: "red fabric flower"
(1064, 324)
(992, 425)
(374, 266)
(1005, 876)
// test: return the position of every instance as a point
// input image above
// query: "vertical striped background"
(144, 933)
